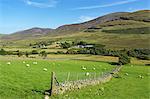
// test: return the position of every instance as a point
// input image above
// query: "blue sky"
(18, 15)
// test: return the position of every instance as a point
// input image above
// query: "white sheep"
(87, 74)
(83, 68)
(34, 63)
(8, 63)
(140, 76)
(24, 62)
(27, 65)
(102, 88)
(93, 68)
(45, 69)
(126, 74)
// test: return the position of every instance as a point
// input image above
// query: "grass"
(111, 40)
(30, 49)
(127, 87)
(21, 82)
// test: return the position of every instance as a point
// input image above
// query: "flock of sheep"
(28, 65)
(83, 68)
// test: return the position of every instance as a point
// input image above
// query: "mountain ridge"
(137, 17)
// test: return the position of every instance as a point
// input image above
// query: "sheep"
(8, 63)
(102, 89)
(45, 69)
(83, 68)
(87, 74)
(93, 68)
(140, 76)
(27, 65)
(35, 63)
(126, 74)
(24, 62)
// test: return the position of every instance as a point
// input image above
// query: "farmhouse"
(83, 46)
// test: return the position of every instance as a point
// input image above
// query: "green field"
(21, 82)
(129, 86)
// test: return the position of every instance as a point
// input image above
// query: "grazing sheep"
(24, 62)
(83, 68)
(102, 88)
(93, 68)
(87, 74)
(34, 63)
(8, 63)
(45, 69)
(140, 76)
(27, 65)
(126, 74)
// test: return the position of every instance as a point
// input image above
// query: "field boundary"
(60, 88)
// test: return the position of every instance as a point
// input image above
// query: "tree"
(19, 54)
(123, 59)
(3, 52)
(65, 45)
(43, 54)
(34, 52)
(27, 54)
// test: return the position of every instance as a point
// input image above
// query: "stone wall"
(71, 85)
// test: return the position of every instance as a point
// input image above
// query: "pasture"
(29, 78)
(133, 83)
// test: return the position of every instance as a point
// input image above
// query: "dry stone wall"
(72, 85)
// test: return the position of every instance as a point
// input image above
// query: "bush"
(123, 59)
(65, 45)
(144, 57)
(60, 52)
(43, 54)
(3, 52)
(20, 54)
(34, 52)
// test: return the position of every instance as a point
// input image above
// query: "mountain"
(29, 33)
(138, 16)
(115, 30)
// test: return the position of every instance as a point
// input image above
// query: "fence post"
(68, 76)
(77, 77)
(52, 83)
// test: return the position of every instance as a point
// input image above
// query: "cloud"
(106, 5)
(85, 18)
(41, 4)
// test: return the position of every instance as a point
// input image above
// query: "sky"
(16, 15)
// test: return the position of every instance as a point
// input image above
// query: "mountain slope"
(116, 30)
(138, 16)
(30, 33)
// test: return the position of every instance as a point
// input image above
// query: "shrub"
(34, 52)
(123, 59)
(3, 52)
(20, 54)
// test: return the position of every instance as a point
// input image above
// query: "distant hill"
(29, 33)
(115, 30)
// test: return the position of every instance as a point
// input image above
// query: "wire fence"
(71, 81)
(74, 76)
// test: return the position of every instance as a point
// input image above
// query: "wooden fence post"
(52, 83)
(68, 76)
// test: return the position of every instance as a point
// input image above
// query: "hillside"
(115, 30)
(29, 33)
